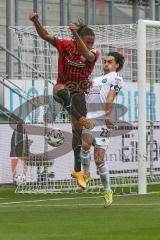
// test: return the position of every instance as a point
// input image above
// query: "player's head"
(87, 35)
(113, 62)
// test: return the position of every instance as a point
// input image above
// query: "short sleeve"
(60, 44)
(96, 53)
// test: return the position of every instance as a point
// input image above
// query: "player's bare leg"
(24, 167)
(62, 95)
(14, 163)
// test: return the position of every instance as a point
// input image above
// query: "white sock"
(85, 159)
(104, 175)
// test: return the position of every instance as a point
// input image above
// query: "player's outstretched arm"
(42, 32)
(81, 46)
(109, 106)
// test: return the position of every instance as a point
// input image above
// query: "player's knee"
(85, 146)
(57, 88)
(99, 160)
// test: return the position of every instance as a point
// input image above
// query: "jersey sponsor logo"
(80, 64)
(72, 58)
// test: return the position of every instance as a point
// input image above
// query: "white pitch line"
(49, 199)
(71, 198)
(50, 205)
(136, 204)
(80, 205)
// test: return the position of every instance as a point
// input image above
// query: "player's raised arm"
(42, 32)
(109, 106)
(84, 42)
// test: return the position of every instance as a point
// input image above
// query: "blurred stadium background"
(59, 13)
(82, 216)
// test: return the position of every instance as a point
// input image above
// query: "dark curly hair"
(119, 58)
(83, 29)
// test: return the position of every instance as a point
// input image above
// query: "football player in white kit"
(99, 107)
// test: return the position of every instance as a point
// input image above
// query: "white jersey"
(98, 93)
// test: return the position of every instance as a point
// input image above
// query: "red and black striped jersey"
(73, 69)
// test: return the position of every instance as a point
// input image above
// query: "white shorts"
(100, 138)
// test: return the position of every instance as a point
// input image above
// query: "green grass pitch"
(78, 217)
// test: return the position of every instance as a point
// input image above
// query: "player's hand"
(109, 123)
(73, 28)
(33, 16)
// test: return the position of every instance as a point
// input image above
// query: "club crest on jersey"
(104, 80)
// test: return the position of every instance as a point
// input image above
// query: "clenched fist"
(73, 27)
(33, 16)
(109, 123)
